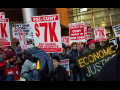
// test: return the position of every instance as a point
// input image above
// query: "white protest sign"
(24, 27)
(22, 38)
(46, 32)
(116, 30)
(65, 64)
(2, 15)
(100, 34)
(5, 39)
(114, 41)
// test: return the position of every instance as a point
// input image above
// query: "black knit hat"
(63, 45)
(56, 58)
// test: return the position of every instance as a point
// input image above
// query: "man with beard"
(90, 46)
(76, 71)
(3, 68)
(11, 60)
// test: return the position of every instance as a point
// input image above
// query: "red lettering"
(3, 31)
(37, 30)
(45, 32)
(52, 32)
(102, 31)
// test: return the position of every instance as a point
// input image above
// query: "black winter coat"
(111, 70)
(61, 74)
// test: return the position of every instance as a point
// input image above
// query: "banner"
(116, 30)
(47, 32)
(65, 64)
(76, 32)
(89, 30)
(2, 15)
(91, 63)
(100, 34)
(65, 40)
(5, 39)
(24, 27)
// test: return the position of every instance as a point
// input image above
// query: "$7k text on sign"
(46, 32)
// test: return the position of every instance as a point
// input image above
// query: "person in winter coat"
(60, 72)
(65, 55)
(27, 67)
(76, 70)
(11, 60)
(18, 50)
(90, 46)
(3, 68)
(2, 54)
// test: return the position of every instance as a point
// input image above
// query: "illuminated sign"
(91, 64)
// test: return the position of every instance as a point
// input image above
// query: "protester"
(68, 48)
(18, 50)
(60, 72)
(97, 44)
(90, 46)
(11, 60)
(76, 70)
(27, 67)
(2, 54)
(6, 48)
(84, 47)
(104, 43)
(4, 69)
(65, 55)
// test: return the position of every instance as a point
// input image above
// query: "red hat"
(90, 41)
(10, 54)
(5, 47)
(1, 51)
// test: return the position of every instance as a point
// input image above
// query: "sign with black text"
(24, 27)
(116, 30)
(91, 63)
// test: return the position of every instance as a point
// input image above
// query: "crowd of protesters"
(13, 66)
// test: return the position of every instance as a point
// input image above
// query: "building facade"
(98, 17)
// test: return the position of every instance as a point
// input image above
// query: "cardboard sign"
(65, 63)
(24, 27)
(65, 40)
(89, 30)
(5, 39)
(76, 32)
(114, 41)
(47, 32)
(100, 34)
(2, 15)
(116, 30)
(91, 63)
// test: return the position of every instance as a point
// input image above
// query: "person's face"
(30, 42)
(19, 45)
(12, 60)
(55, 63)
(92, 46)
(74, 47)
(2, 69)
(3, 55)
(6, 49)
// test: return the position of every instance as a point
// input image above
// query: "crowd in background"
(13, 65)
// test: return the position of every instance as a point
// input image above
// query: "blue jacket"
(10, 77)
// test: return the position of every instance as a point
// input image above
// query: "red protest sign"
(76, 32)
(89, 30)
(46, 31)
(5, 39)
(65, 39)
(100, 34)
